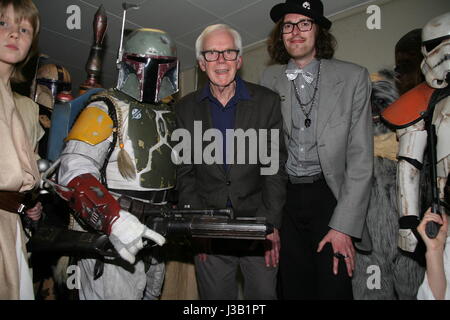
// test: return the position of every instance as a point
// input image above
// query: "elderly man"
(328, 134)
(226, 103)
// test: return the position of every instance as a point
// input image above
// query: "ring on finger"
(341, 256)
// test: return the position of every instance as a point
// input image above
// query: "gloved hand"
(127, 233)
(93, 203)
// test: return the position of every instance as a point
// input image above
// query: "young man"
(227, 103)
(328, 133)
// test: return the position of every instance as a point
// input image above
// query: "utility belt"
(12, 201)
(306, 179)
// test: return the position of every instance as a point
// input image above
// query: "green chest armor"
(149, 129)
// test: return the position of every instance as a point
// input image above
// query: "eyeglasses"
(213, 55)
(303, 26)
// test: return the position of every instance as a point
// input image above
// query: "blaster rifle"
(206, 224)
(171, 223)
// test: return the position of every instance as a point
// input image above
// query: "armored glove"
(94, 205)
(127, 233)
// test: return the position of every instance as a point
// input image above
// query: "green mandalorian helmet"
(148, 67)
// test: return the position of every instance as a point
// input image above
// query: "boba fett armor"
(119, 148)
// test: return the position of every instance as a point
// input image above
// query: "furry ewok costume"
(385, 273)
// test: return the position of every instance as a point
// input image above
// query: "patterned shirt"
(303, 157)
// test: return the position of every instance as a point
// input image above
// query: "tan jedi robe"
(18, 172)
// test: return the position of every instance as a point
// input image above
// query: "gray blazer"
(209, 185)
(344, 139)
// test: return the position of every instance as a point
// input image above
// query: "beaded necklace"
(311, 101)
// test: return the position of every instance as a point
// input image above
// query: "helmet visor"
(151, 71)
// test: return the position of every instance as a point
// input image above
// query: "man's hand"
(272, 251)
(342, 248)
(127, 234)
(35, 213)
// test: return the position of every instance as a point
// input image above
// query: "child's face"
(15, 37)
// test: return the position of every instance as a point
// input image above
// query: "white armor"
(408, 176)
(413, 139)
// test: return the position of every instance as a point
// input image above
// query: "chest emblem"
(136, 114)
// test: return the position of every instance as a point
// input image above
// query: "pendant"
(307, 122)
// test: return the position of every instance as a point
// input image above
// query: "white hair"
(199, 42)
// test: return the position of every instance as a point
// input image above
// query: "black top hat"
(309, 8)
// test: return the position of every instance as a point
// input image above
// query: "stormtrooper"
(117, 160)
(424, 107)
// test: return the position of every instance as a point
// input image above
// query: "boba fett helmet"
(148, 66)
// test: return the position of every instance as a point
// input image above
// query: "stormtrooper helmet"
(436, 51)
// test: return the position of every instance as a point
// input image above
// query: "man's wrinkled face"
(408, 72)
(221, 72)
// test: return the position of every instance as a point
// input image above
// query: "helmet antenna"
(125, 7)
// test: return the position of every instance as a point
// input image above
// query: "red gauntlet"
(93, 203)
